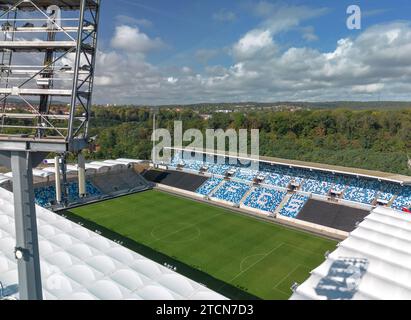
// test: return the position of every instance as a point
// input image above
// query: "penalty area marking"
(258, 261)
(248, 257)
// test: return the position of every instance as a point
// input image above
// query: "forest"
(370, 139)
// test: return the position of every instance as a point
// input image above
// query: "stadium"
(222, 226)
(86, 215)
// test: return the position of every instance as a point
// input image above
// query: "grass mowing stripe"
(289, 274)
(258, 261)
(179, 230)
(214, 240)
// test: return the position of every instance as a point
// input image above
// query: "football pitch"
(260, 258)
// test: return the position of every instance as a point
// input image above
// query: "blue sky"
(189, 51)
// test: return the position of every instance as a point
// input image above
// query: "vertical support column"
(154, 139)
(81, 175)
(58, 179)
(76, 69)
(27, 250)
(65, 190)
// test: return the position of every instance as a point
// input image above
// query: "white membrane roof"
(129, 160)
(4, 178)
(79, 264)
(374, 262)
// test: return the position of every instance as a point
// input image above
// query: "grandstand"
(348, 187)
(104, 179)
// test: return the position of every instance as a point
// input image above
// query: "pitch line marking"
(252, 255)
(181, 229)
(289, 274)
(281, 291)
(188, 225)
(258, 261)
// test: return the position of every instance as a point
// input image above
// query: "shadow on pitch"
(191, 272)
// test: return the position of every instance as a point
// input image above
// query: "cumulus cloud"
(375, 63)
(131, 39)
(254, 43)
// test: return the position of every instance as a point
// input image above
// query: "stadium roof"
(374, 262)
(391, 177)
(130, 160)
(79, 264)
(63, 4)
(4, 178)
(42, 173)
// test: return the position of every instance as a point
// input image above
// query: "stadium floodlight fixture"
(20, 253)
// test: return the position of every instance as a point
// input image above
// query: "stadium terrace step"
(282, 204)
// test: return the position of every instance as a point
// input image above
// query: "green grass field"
(262, 258)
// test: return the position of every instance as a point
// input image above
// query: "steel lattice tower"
(47, 61)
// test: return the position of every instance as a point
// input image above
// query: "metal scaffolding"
(47, 61)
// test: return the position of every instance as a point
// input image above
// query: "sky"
(195, 51)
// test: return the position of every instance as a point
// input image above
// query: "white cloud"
(369, 88)
(376, 63)
(172, 80)
(131, 39)
(254, 42)
(127, 20)
(279, 17)
(308, 34)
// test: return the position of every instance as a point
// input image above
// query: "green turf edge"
(225, 289)
(217, 285)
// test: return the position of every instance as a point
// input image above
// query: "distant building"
(205, 116)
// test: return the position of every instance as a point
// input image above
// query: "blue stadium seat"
(245, 174)
(264, 199)
(208, 186)
(317, 183)
(45, 196)
(360, 190)
(403, 200)
(293, 206)
(231, 191)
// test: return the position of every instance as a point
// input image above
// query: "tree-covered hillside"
(371, 139)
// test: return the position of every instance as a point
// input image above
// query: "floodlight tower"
(43, 56)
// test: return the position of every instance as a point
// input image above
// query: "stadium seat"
(293, 206)
(264, 199)
(45, 196)
(232, 192)
(209, 186)
(359, 190)
(403, 200)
